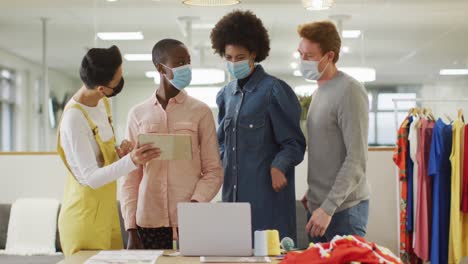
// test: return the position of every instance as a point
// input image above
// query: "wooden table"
(82, 256)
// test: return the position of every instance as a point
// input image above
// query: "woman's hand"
(142, 154)
(125, 148)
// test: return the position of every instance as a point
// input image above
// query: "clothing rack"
(395, 110)
(397, 100)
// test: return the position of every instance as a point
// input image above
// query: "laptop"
(215, 229)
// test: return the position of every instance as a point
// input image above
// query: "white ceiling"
(406, 41)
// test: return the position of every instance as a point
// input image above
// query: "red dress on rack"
(399, 157)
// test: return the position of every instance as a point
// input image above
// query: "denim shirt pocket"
(252, 132)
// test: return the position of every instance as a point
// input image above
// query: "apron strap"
(109, 113)
(93, 127)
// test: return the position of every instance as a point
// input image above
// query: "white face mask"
(310, 71)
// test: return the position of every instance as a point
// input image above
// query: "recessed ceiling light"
(297, 73)
(345, 49)
(296, 55)
(361, 74)
(351, 33)
(203, 25)
(317, 5)
(211, 2)
(120, 35)
(152, 74)
(5, 74)
(111, 0)
(138, 57)
(294, 65)
(454, 72)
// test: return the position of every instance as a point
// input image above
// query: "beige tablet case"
(172, 146)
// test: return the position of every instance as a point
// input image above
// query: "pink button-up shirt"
(150, 194)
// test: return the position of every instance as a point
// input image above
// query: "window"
(7, 109)
(382, 126)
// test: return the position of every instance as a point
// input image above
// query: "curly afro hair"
(242, 28)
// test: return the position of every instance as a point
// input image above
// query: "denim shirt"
(259, 128)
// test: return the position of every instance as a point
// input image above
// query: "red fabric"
(399, 158)
(343, 251)
(464, 198)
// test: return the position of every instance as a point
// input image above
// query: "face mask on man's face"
(181, 76)
(309, 69)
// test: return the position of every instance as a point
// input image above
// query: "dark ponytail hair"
(99, 66)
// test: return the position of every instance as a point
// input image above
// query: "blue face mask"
(182, 76)
(240, 69)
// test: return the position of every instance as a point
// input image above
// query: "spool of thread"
(273, 243)
(287, 244)
(260, 244)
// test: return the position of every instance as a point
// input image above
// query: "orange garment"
(399, 158)
(342, 250)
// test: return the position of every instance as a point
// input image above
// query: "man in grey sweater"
(337, 123)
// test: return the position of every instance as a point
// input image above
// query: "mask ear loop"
(165, 74)
(326, 66)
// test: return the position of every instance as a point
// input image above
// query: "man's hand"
(278, 179)
(134, 241)
(318, 223)
(304, 201)
(175, 233)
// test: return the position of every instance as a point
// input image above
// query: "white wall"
(134, 92)
(450, 87)
(28, 122)
(31, 176)
(44, 176)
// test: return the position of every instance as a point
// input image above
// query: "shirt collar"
(179, 99)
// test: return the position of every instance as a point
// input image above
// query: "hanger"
(430, 115)
(460, 115)
(422, 115)
(448, 117)
(406, 121)
(410, 111)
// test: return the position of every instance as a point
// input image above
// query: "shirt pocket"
(188, 128)
(148, 128)
(252, 130)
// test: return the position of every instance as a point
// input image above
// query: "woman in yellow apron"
(89, 217)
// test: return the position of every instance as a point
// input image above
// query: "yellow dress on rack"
(458, 235)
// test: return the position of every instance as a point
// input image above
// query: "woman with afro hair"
(259, 134)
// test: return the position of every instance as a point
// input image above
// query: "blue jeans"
(351, 221)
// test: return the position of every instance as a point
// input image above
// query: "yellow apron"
(89, 218)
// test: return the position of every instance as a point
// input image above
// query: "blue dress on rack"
(440, 170)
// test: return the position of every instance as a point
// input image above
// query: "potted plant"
(305, 101)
